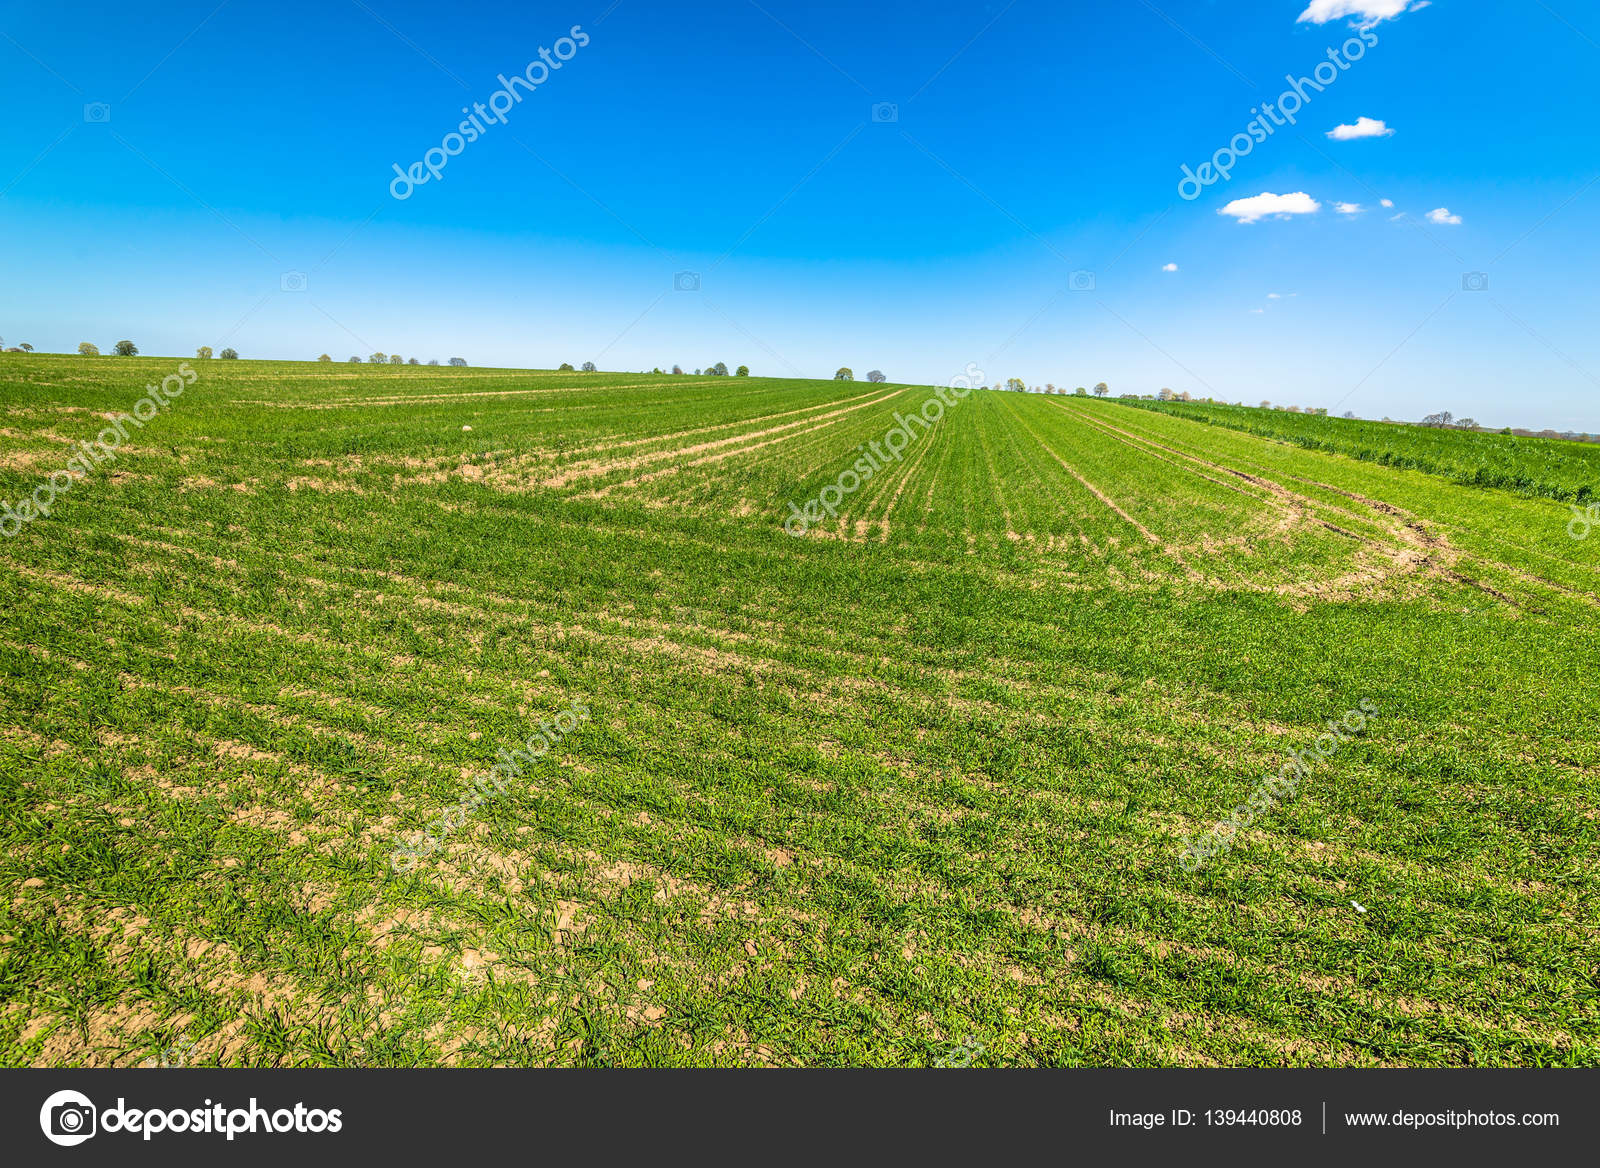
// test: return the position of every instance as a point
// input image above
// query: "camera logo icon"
(686, 282)
(884, 112)
(97, 111)
(292, 282)
(1475, 281)
(67, 1118)
(1081, 281)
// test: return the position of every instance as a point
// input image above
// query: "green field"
(1554, 468)
(921, 777)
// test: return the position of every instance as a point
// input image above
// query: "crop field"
(924, 782)
(1554, 468)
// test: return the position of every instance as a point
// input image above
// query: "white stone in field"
(466, 427)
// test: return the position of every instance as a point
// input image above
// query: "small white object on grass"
(1358, 908)
(464, 428)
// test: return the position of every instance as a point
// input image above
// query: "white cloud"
(1370, 11)
(1266, 203)
(1348, 208)
(1364, 128)
(1258, 311)
(1274, 295)
(1169, 268)
(1386, 202)
(1442, 215)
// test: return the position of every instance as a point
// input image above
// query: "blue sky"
(738, 141)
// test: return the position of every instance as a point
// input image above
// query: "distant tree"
(1348, 414)
(1081, 392)
(1016, 385)
(355, 360)
(1464, 423)
(413, 361)
(228, 355)
(433, 360)
(657, 369)
(459, 362)
(677, 369)
(566, 367)
(1164, 394)
(378, 359)
(719, 369)
(88, 349)
(1184, 396)
(1049, 387)
(697, 373)
(203, 352)
(1294, 409)
(1266, 405)
(1101, 389)
(844, 374)
(742, 371)
(876, 375)
(125, 349)
(588, 367)
(324, 357)
(397, 359)
(26, 348)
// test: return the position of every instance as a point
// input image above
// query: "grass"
(918, 778)
(1552, 468)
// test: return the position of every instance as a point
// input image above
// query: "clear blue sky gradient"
(737, 141)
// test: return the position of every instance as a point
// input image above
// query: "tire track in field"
(1415, 546)
(908, 472)
(1028, 459)
(1288, 515)
(994, 477)
(719, 425)
(634, 463)
(1304, 504)
(1150, 536)
(1409, 519)
(397, 399)
(508, 472)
